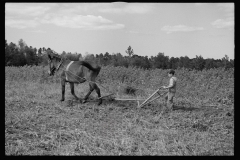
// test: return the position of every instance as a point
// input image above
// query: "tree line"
(21, 54)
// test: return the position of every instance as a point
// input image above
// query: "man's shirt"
(172, 84)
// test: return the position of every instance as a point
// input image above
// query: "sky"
(175, 29)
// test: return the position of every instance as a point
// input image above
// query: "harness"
(67, 69)
(59, 65)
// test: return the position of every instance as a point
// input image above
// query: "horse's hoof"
(62, 100)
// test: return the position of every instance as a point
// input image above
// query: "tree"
(121, 61)
(7, 54)
(99, 59)
(39, 52)
(145, 62)
(35, 50)
(217, 63)
(172, 63)
(226, 62)
(161, 61)
(22, 44)
(184, 62)
(231, 63)
(80, 58)
(21, 54)
(6, 45)
(209, 63)
(10, 53)
(63, 54)
(31, 56)
(90, 58)
(129, 51)
(199, 62)
(106, 59)
(13, 56)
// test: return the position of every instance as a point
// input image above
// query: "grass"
(37, 123)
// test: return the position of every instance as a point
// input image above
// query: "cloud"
(37, 31)
(227, 22)
(25, 9)
(113, 8)
(21, 23)
(135, 8)
(133, 32)
(180, 28)
(88, 22)
(224, 23)
(106, 27)
(29, 15)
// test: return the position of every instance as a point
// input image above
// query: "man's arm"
(170, 84)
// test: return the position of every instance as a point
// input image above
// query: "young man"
(171, 89)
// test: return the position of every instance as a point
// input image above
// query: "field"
(37, 123)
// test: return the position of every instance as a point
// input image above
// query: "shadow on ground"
(185, 108)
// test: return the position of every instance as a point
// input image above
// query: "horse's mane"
(56, 56)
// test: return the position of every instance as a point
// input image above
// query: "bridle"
(59, 65)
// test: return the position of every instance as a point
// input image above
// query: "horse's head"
(54, 62)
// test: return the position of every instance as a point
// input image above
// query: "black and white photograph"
(119, 78)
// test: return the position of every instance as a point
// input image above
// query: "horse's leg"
(72, 90)
(89, 92)
(63, 88)
(98, 92)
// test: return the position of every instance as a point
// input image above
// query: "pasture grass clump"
(201, 123)
(130, 90)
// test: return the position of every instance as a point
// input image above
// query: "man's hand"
(164, 87)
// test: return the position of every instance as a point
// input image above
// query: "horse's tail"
(89, 66)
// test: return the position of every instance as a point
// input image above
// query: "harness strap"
(67, 69)
(59, 64)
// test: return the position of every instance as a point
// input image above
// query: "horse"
(74, 72)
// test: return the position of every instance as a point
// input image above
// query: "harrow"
(146, 101)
